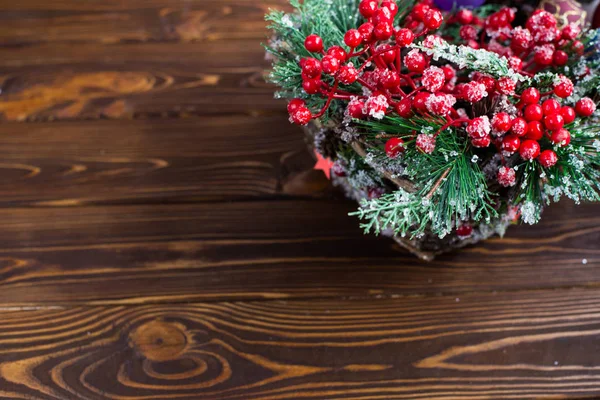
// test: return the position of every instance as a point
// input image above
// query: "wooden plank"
(35, 21)
(278, 249)
(64, 81)
(523, 345)
(190, 159)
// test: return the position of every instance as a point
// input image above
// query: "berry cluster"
(395, 77)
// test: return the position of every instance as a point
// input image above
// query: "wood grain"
(154, 161)
(276, 249)
(34, 21)
(523, 345)
(64, 81)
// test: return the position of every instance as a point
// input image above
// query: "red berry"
(550, 106)
(356, 109)
(449, 72)
(383, 31)
(535, 130)
(519, 127)
(388, 56)
(394, 147)
(425, 143)
(391, 6)
(468, 32)
(420, 100)
(506, 177)
(543, 55)
(474, 91)
(404, 108)
(433, 19)
(561, 137)
(295, 104)
(433, 78)
(464, 231)
(529, 149)
(511, 143)
(366, 30)
(464, 16)
(404, 37)
(389, 79)
(382, 15)
(368, 7)
(330, 64)
(506, 86)
(301, 116)
(488, 81)
(481, 142)
(568, 114)
(585, 107)
(564, 88)
(311, 67)
(501, 122)
(578, 47)
(337, 52)
(554, 121)
(338, 169)
(415, 61)
(420, 10)
(548, 158)
(311, 86)
(530, 96)
(533, 112)
(348, 74)
(313, 43)
(353, 38)
(560, 58)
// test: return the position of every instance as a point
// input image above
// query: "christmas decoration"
(446, 127)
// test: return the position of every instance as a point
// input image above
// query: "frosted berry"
(376, 106)
(433, 78)
(501, 122)
(368, 7)
(570, 32)
(404, 37)
(391, 6)
(420, 11)
(515, 63)
(561, 137)
(474, 91)
(383, 31)
(506, 86)
(464, 16)
(366, 30)
(554, 121)
(568, 114)
(311, 67)
(511, 143)
(550, 106)
(548, 158)
(481, 142)
(389, 79)
(353, 38)
(311, 86)
(533, 112)
(295, 104)
(433, 19)
(578, 47)
(330, 64)
(464, 231)
(478, 127)
(521, 40)
(356, 109)
(585, 107)
(543, 55)
(535, 130)
(313, 43)
(337, 52)
(519, 127)
(404, 108)
(529, 149)
(506, 177)
(301, 116)
(338, 169)
(440, 103)
(348, 74)
(415, 61)
(394, 147)
(530, 96)
(560, 58)
(564, 88)
(425, 143)
(468, 32)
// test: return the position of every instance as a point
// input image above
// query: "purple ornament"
(448, 5)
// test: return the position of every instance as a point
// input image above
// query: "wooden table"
(163, 236)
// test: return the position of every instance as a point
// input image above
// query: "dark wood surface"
(163, 236)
